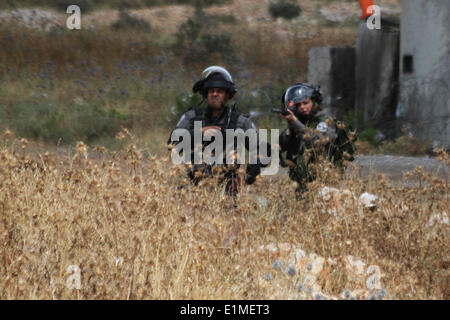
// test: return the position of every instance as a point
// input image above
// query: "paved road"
(393, 167)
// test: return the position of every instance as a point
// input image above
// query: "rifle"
(283, 111)
(233, 108)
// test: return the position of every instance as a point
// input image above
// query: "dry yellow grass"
(124, 221)
(135, 228)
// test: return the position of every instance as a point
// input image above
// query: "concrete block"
(376, 76)
(332, 68)
(424, 100)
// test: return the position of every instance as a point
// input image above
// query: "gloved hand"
(251, 173)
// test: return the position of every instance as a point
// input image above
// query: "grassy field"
(132, 68)
(111, 218)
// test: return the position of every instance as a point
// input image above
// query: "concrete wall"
(376, 77)
(333, 69)
(425, 70)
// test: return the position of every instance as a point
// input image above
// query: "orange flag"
(364, 5)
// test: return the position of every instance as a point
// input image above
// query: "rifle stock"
(284, 112)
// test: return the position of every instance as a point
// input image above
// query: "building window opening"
(408, 66)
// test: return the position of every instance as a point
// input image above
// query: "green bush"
(201, 40)
(182, 104)
(127, 21)
(263, 99)
(365, 133)
(66, 123)
(284, 9)
(220, 43)
(368, 134)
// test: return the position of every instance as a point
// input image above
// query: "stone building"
(424, 77)
(400, 74)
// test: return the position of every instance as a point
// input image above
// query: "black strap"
(233, 121)
(199, 115)
(232, 124)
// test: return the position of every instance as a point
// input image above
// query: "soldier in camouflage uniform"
(311, 134)
(217, 87)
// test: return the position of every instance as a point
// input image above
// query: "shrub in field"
(220, 43)
(264, 97)
(284, 9)
(66, 123)
(200, 39)
(182, 104)
(127, 21)
(369, 133)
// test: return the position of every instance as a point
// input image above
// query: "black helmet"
(299, 92)
(215, 77)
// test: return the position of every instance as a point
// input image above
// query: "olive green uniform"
(228, 119)
(308, 138)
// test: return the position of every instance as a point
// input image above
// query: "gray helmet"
(215, 77)
(299, 92)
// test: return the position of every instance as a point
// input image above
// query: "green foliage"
(182, 104)
(369, 134)
(258, 101)
(220, 43)
(127, 21)
(263, 98)
(284, 9)
(67, 123)
(349, 119)
(201, 40)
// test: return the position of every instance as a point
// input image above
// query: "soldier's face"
(217, 97)
(305, 107)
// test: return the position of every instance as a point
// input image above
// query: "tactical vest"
(230, 122)
(341, 149)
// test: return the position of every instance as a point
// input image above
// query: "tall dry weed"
(136, 229)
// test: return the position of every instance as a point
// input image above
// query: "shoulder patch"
(322, 126)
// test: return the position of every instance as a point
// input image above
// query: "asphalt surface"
(394, 167)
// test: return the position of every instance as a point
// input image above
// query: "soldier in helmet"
(217, 88)
(311, 134)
